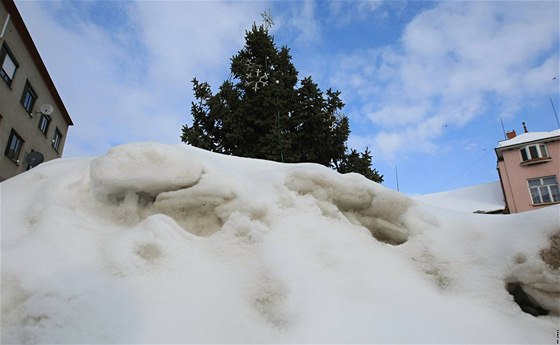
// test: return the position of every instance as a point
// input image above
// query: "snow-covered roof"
(529, 137)
(486, 197)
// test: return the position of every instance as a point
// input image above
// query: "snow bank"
(486, 197)
(153, 243)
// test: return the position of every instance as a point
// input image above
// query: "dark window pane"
(535, 196)
(544, 194)
(28, 98)
(56, 140)
(8, 68)
(44, 123)
(8, 65)
(13, 147)
(533, 152)
(28, 101)
(524, 154)
(555, 193)
(544, 151)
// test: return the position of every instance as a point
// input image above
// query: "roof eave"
(525, 143)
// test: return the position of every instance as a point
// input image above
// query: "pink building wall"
(514, 175)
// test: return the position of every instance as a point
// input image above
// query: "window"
(533, 152)
(28, 98)
(8, 63)
(15, 142)
(44, 123)
(544, 190)
(56, 139)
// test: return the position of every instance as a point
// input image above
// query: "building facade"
(33, 119)
(529, 168)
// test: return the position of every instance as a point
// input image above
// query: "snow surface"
(153, 243)
(529, 137)
(484, 197)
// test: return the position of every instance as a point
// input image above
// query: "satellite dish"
(47, 109)
(34, 158)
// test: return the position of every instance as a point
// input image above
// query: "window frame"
(534, 153)
(6, 52)
(44, 119)
(551, 191)
(57, 139)
(13, 153)
(28, 98)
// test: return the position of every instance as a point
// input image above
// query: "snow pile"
(486, 197)
(171, 244)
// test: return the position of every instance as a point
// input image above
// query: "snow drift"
(154, 243)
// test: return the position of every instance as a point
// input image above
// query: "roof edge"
(552, 137)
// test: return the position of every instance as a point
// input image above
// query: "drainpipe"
(5, 25)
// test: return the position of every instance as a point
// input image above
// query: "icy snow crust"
(158, 244)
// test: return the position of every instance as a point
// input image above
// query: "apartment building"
(529, 167)
(33, 119)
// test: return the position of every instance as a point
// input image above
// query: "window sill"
(546, 203)
(28, 112)
(536, 161)
(8, 84)
(16, 162)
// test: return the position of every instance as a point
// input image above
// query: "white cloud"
(453, 61)
(471, 47)
(131, 82)
(539, 79)
(300, 21)
(186, 38)
(397, 115)
(345, 12)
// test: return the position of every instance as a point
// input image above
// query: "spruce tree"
(359, 163)
(262, 112)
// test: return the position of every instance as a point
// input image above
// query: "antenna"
(46, 109)
(503, 129)
(557, 121)
(397, 175)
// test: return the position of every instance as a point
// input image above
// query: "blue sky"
(425, 83)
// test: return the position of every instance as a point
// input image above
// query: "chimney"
(511, 134)
(525, 127)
